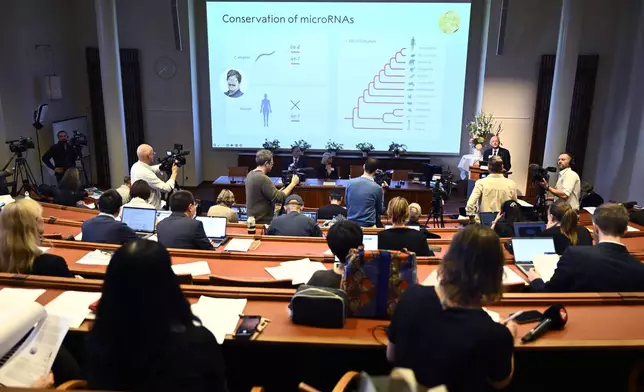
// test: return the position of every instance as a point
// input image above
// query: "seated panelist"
(327, 170)
(180, 229)
(293, 223)
(298, 161)
(104, 228)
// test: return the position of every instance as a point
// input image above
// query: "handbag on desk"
(322, 307)
(375, 280)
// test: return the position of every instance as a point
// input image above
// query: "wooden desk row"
(614, 320)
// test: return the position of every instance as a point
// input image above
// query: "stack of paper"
(630, 228)
(509, 278)
(72, 305)
(297, 271)
(194, 269)
(19, 297)
(219, 315)
(546, 265)
(97, 257)
(239, 245)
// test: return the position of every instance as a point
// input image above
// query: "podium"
(476, 173)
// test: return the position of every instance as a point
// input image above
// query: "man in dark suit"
(298, 161)
(180, 229)
(104, 228)
(496, 150)
(605, 267)
(293, 223)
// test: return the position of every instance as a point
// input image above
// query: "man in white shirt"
(568, 185)
(143, 170)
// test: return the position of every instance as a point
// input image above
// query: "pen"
(512, 317)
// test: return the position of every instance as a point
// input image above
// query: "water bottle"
(251, 225)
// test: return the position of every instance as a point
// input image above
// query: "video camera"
(176, 155)
(538, 173)
(20, 145)
(287, 175)
(78, 139)
(381, 176)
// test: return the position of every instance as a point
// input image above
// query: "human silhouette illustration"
(266, 109)
(233, 80)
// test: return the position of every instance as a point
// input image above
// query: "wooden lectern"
(476, 172)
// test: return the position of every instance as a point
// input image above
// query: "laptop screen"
(161, 215)
(487, 218)
(242, 215)
(525, 249)
(214, 226)
(140, 219)
(528, 229)
(370, 241)
(311, 214)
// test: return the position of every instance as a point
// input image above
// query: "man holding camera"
(568, 185)
(144, 170)
(63, 154)
(261, 193)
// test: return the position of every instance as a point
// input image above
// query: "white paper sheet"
(10, 296)
(79, 236)
(91, 206)
(524, 203)
(432, 279)
(219, 315)
(493, 315)
(297, 271)
(196, 268)
(328, 183)
(304, 274)
(590, 210)
(239, 245)
(546, 265)
(6, 199)
(43, 249)
(511, 278)
(96, 257)
(72, 305)
(36, 354)
(329, 253)
(630, 228)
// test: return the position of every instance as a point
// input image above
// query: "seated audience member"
(399, 236)
(365, 198)
(293, 223)
(124, 189)
(104, 228)
(491, 192)
(443, 334)
(225, 200)
(4, 189)
(180, 229)
(605, 267)
(341, 238)
(139, 194)
(145, 336)
(504, 222)
(69, 190)
(563, 227)
(334, 208)
(21, 225)
(415, 212)
(327, 171)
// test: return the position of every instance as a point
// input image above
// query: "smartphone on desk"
(528, 316)
(247, 327)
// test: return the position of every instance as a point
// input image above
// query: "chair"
(267, 284)
(72, 384)
(355, 171)
(345, 384)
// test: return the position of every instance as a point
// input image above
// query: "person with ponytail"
(563, 227)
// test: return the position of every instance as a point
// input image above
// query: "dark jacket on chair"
(605, 267)
(107, 230)
(180, 231)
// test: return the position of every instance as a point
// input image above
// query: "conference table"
(315, 192)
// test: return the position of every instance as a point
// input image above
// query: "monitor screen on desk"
(242, 214)
(140, 219)
(528, 229)
(311, 214)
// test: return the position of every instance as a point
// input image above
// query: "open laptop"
(141, 220)
(311, 214)
(161, 215)
(487, 218)
(242, 214)
(215, 228)
(528, 229)
(525, 250)
(370, 241)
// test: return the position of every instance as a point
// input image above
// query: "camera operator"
(63, 154)
(568, 185)
(144, 170)
(261, 194)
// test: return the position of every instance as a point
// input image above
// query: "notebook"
(526, 249)
(528, 229)
(215, 228)
(141, 220)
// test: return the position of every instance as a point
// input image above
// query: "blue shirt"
(364, 201)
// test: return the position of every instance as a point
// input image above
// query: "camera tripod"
(540, 204)
(79, 157)
(437, 213)
(22, 174)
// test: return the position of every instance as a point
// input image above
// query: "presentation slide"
(345, 72)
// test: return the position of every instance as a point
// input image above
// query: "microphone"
(555, 317)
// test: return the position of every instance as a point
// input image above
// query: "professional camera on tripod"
(176, 155)
(78, 140)
(538, 174)
(438, 200)
(22, 172)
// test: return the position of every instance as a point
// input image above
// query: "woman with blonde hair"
(327, 170)
(21, 225)
(563, 227)
(69, 190)
(415, 213)
(225, 201)
(399, 236)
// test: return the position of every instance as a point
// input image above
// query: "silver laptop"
(141, 220)
(215, 228)
(161, 215)
(526, 249)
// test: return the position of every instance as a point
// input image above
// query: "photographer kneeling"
(144, 170)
